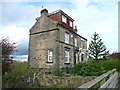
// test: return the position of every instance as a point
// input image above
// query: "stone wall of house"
(63, 81)
(43, 35)
(39, 46)
(43, 23)
(62, 46)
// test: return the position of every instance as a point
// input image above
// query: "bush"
(6, 66)
(17, 75)
(87, 69)
(95, 68)
(110, 64)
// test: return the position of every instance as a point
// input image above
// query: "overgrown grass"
(19, 71)
(95, 68)
(17, 75)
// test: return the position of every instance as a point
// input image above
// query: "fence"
(107, 80)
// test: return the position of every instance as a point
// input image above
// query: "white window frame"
(75, 41)
(50, 55)
(67, 56)
(66, 37)
(64, 19)
(71, 23)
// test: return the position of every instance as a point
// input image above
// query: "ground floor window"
(50, 55)
(67, 55)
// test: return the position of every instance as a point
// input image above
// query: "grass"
(19, 71)
(17, 75)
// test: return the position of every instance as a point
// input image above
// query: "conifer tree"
(97, 50)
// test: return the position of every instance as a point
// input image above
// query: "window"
(64, 19)
(50, 55)
(66, 55)
(82, 44)
(67, 38)
(75, 41)
(71, 24)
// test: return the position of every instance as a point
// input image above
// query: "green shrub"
(87, 69)
(95, 68)
(16, 76)
(6, 66)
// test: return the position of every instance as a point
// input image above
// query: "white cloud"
(33, 0)
(19, 35)
(89, 16)
(18, 13)
(98, 16)
(16, 34)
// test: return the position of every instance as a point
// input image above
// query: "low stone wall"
(62, 81)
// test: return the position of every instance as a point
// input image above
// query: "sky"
(101, 16)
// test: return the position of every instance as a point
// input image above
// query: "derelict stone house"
(54, 42)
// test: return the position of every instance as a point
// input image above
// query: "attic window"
(71, 23)
(64, 19)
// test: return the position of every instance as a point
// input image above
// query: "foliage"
(110, 64)
(17, 76)
(19, 72)
(88, 69)
(6, 66)
(95, 68)
(97, 49)
(7, 48)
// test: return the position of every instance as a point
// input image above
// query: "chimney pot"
(44, 12)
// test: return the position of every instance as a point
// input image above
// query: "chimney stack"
(44, 12)
(75, 29)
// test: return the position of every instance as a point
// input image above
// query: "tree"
(7, 48)
(97, 50)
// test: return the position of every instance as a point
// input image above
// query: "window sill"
(66, 63)
(49, 62)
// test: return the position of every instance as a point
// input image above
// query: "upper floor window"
(82, 44)
(66, 55)
(67, 38)
(50, 55)
(75, 41)
(71, 23)
(64, 19)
